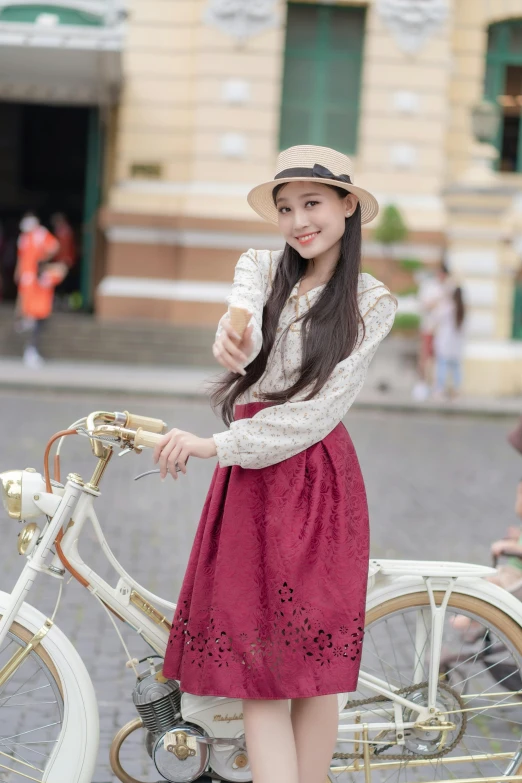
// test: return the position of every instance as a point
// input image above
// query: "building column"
(482, 258)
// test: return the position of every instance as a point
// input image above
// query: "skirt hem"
(238, 695)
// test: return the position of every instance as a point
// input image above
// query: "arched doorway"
(504, 87)
(60, 76)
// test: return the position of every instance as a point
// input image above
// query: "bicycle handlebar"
(135, 422)
(147, 439)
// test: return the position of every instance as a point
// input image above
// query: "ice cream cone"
(239, 318)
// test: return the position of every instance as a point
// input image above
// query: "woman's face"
(312, 217)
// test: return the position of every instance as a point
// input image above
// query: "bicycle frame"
(69, 511)
(74, 510)
(134, 604)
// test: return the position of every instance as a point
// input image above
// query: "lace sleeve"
(280, 431)
(248, 291)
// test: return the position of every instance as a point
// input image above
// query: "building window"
(322, 76)
(504, 86)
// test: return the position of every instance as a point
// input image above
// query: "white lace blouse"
(280, 431)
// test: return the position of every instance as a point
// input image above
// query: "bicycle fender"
(75, 754)
(386, 588)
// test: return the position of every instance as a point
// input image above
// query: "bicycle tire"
(491, 616)
(39, 656)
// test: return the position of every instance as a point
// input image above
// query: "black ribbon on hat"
(321, 172)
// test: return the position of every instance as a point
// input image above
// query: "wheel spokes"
(488, 722)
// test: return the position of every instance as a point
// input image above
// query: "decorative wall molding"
(412, 22)
(242, 18)
(112, 13)
(172, 290)
(475, 263)
(494, 350)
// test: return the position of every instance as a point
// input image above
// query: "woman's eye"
(311, 203)
(284, 210)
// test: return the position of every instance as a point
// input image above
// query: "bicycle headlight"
(24, 494)
(11, 487)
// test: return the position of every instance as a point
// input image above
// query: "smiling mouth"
(306, 238)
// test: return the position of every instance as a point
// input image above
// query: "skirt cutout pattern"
(273, 599)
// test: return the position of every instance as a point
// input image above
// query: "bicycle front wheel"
(31, 710)
(475, 732)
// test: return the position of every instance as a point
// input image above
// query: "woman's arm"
(248, 291)
(280, 431)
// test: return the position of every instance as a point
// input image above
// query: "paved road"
(446, 480)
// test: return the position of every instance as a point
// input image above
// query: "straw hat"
(307, 163)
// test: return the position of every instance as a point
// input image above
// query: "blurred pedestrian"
(448, 343)
(432, 290)
(36, 279)
(67, 252)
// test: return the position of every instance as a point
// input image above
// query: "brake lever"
(155, 470)
(147, 473)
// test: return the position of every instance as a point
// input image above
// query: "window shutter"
(343, 66)
(300, 76)
(322, 76)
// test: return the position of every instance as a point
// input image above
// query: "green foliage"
(406, 322)
(411, 264)
(391, 227)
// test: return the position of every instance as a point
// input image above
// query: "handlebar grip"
(145, 422)
(148, 439)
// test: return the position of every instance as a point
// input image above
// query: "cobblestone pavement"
(448, 481)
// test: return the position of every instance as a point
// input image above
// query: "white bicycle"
(436, 700)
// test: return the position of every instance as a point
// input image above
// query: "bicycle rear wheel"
(479, 695)
(31, 710)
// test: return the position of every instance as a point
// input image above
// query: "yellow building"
(186, 103)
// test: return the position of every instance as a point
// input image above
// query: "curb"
(190, 383)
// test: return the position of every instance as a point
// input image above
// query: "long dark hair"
(460, 308)
(329, 329)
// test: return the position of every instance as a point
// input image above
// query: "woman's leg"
(315, 723)
(442, 369)
(457, 376)
(270, 741)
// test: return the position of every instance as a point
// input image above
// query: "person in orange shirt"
(36, 280)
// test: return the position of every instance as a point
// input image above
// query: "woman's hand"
(231, 350)
(176, 447)
(506, 547)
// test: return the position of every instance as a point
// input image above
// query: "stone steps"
(77, 336)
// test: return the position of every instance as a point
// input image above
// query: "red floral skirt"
(272, 604)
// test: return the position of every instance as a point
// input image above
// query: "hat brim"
(261, 200)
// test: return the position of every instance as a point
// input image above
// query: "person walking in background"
(449, 342)
(432, 291)
(36, 279)
(67, 252)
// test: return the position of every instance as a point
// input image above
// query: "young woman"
(272, 605)
(448, 343)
